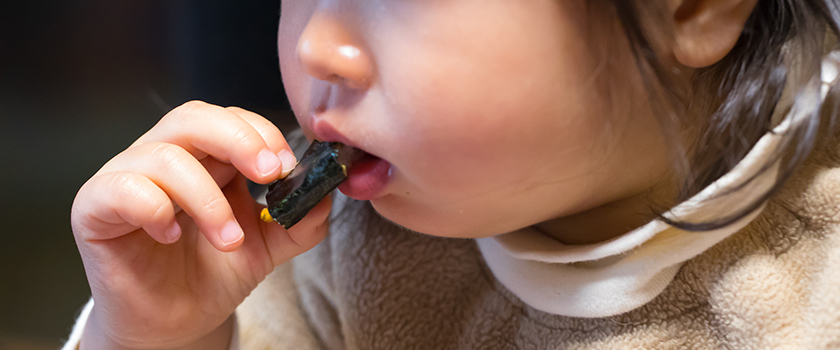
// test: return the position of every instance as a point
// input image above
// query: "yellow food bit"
(266, 216)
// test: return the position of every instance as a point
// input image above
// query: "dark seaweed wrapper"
(321, 169)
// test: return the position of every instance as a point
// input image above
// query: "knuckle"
(131, 194)
(123, 182)
(122, 186)
(270, 131)
(167, 155)
(192, 106)
(246, 138)
(160, 209)
(237, 110)
(215, 206)
(187, 111)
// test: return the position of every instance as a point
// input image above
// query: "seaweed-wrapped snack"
(322, 168)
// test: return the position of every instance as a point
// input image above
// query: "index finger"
(203, 129)
(272, 136)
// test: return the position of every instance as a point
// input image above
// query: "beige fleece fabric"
(773, 285)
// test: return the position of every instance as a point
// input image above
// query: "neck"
(610, 220)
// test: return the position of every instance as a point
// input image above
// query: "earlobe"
(706, 30)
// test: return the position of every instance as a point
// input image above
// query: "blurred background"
(79, 81)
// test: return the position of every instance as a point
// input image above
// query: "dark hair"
(782, 43)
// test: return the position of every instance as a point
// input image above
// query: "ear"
(706, 30)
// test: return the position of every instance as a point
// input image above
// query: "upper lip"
(324, 131)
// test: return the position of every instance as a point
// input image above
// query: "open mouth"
(367, 177)
(322, 167)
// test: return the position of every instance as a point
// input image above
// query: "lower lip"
(367, 179)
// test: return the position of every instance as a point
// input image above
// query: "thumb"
(285, 244)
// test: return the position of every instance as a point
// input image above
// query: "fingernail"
(231, 233)
(172, 232)
(267, 162)
(289, 161)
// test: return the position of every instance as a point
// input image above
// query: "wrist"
(95, 337)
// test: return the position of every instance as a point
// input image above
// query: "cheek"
(462, 155)
(502, 133)
(470, 165)
(493, 98)
(478, 125)
(293, 20)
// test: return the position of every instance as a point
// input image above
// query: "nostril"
(333, 78)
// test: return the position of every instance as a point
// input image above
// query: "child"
(567, 150)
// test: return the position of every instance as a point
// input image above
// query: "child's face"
(485, 111)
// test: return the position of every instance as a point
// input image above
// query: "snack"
(322, 168)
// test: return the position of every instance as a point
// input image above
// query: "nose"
(329, 51)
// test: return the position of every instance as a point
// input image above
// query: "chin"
(419, 219)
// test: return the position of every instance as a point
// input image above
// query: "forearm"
(94, 337)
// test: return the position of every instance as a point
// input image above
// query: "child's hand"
(160, 229)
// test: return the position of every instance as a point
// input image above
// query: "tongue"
(363, 163)
(366, 178)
